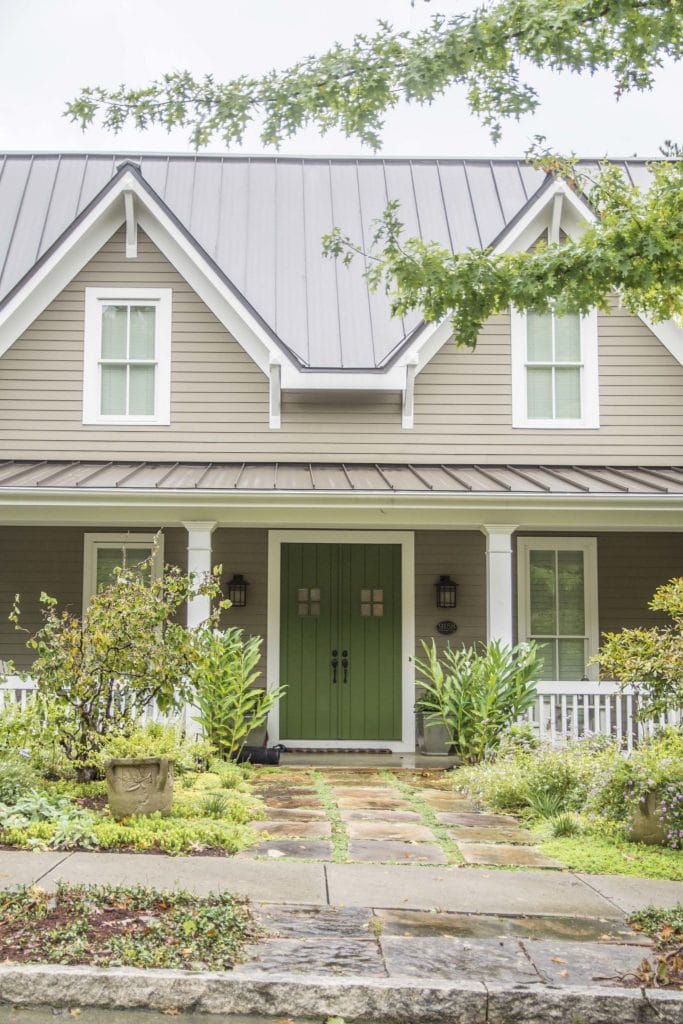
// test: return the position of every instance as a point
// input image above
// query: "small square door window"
(371, 603)
(308, 602)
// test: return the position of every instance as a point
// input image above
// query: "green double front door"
(341, 642)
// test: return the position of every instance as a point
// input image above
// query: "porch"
(613, 559)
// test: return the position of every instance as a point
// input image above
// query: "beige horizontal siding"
(219, 398)
(246, 551)
(461, 554)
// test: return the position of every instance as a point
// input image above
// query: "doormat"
(337, 750)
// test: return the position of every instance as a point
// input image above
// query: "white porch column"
(199, 561)
(499, 581)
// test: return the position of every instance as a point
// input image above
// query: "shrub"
(477, 695)
(155, 739)
(127, 651)
(548, 780)
(223, 676)
(650, 660)
(17, 778)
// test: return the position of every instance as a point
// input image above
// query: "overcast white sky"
(50, 48)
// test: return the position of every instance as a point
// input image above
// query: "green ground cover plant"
(340, 837)
(123, 927)
(211, 812)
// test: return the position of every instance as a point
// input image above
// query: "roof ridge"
(137, 155)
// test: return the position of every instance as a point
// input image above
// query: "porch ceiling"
(340, 478)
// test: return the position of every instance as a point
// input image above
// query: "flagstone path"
(386, 816)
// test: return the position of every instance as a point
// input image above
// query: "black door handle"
(334, 664)
(345, 665)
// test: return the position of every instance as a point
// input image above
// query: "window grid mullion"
(127, 365)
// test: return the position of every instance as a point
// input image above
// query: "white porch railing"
(563, 711)
(569, 711)
(18, 690)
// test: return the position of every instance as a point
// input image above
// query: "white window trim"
(161, 298)
(590, 388)
(93, 542)
(589, 546)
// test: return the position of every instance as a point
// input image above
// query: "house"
(176, 355)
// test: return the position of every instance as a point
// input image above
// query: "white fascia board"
(56, 273)
(393, 379)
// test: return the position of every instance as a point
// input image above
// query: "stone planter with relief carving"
(139, 785)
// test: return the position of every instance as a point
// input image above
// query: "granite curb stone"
(398, 1000)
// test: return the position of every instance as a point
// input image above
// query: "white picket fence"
(569, 711)
(18, 690)
(563, 711)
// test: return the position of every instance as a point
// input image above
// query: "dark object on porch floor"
(261, 755)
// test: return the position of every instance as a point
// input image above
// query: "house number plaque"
(446, 627)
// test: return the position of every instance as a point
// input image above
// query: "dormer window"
(554, 370)
(127, 356)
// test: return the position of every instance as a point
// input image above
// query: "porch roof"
(337, 477)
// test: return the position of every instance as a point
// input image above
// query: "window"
(554, 370)
(558, 605)
(127, 356)
(105, 552)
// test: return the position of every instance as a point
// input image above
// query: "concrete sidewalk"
(401, 887)
(380, 942)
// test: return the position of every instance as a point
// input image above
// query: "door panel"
(359, 617)
(310, 706)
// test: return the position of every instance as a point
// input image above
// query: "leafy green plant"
(476, 694)
(155, 739)
(35, 730)
(215, 805)
(17, 778)
(223, 675)
(127, 651)
(650, 660)
(68, 824)
(546, 803)
(565, 824)
(664, 924)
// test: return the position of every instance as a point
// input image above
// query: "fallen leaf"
(564, 974)
(558, 960)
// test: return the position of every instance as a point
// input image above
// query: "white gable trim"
(542, 213)
(128, 202)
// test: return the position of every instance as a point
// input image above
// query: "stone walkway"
(385, 816)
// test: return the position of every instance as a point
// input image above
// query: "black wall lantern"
(237, 590)
(445, 592)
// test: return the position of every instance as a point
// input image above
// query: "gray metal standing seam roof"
(261, 219)
(454, 480)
